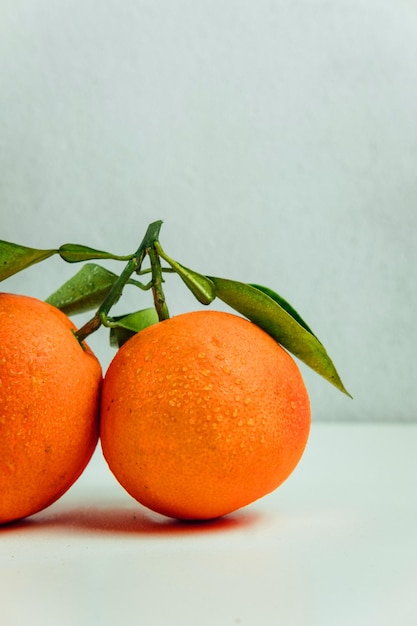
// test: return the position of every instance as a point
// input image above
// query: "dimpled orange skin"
(203, 414)
(49, 400)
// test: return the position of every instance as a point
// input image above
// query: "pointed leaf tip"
(85, 291)
(278, 319)
(200, 286)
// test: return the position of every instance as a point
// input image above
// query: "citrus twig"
(134, 265)
(157, 280)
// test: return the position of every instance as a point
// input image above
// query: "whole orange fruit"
(49, 400)
(202, 414)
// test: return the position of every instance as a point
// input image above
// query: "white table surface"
(335, 545)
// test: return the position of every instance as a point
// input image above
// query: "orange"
(202, 414)
(49, 400)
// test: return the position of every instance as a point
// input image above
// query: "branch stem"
(157, 291)
(134, 264)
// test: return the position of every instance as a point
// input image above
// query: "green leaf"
(74, 253)
(271, 316)
(85, 291)
(15, 258)
(201, 286)
(125, 326)
(285, 305)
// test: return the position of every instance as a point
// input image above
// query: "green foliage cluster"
(95, 287)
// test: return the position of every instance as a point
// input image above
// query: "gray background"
(277, 140)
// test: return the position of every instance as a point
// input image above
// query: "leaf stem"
(134, 264)
(157, 280)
